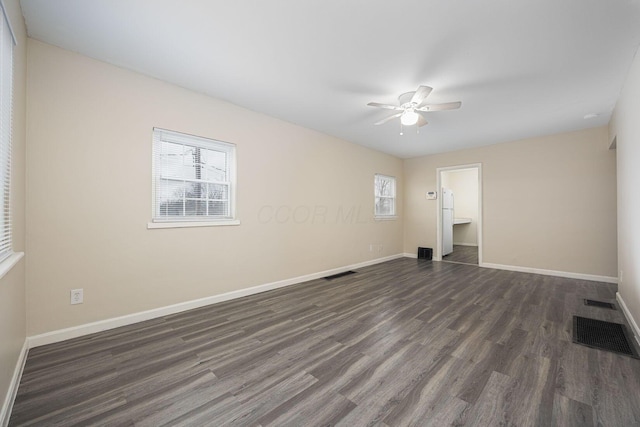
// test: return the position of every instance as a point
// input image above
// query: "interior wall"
(464, 184)
(304, 199)
(625, 128)
(12, 285)
(549, 203)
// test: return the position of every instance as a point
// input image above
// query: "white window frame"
(377, 195)
(161, 136)
(7, 42)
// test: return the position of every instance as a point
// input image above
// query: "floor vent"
(603, 335)
(594, 303)
(336, 276)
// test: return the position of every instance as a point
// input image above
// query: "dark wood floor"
(407, 342)
(464, 254)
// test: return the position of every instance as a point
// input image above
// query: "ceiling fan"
(412, 106)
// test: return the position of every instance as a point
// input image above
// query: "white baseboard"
(116, 322)
(465, 244)
(630, 319)
(567, 274)
(7, 405)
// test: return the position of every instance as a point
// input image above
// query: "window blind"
(193, 177)
(385, 195)
(6, 106)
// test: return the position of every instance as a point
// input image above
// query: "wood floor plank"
(375, 403)
(169, 399)
(473, 375)
(488, 410)
(512, 400)
(568, 412)
(523, 399)
(572, 377)
(403, 343)
(611, 377)
(418, 400)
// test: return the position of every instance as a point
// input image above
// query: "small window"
(194, 178)
(385, 196)
(6, 98)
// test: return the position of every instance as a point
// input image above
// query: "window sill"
(187, 224)
(385, 218)
(7, 264)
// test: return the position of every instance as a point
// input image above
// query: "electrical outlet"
(620, 276)
(77, 296)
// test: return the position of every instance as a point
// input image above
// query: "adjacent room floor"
(406, 342)
(463, 254)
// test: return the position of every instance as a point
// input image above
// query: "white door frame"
(478, 167)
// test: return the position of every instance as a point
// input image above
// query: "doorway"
(461, 240)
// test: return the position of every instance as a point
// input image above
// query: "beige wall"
(12, 286)
(305, 199)
(626, 130)
(464, 184)
(548, 203)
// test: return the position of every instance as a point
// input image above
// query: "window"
(194, 178)
(6, 105)
(385, 196)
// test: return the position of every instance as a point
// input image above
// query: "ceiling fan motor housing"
(404, 100)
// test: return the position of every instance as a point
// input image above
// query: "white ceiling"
(521, 68)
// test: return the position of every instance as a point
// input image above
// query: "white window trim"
(187, 224)
(9, 262)
(376, 216)
(385, 217)
(194, 140)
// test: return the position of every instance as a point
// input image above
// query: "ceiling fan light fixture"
(411, 107)
(409, 117)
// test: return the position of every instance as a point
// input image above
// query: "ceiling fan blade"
(388, 118)
(421, 94)
(421, 120)
(387, 106)
(440, 107)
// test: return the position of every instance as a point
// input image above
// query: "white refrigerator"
(447, 221)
